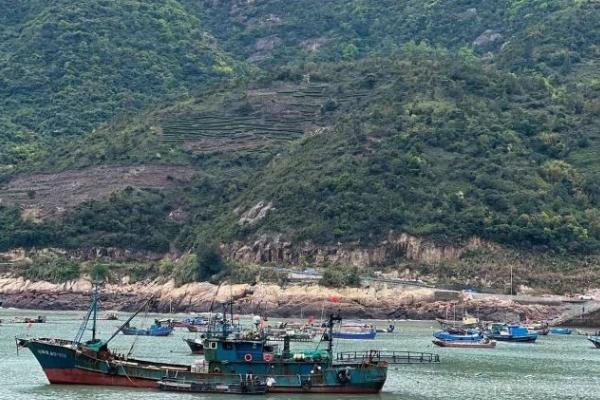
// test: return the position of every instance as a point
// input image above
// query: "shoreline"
(380, 302)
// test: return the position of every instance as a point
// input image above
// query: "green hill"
(68, 66)
(442, 119)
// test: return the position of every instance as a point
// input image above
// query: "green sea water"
(557, 367)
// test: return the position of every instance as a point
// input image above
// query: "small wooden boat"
(463, 344)
(595, 341)
(195, 345)
(198, 386)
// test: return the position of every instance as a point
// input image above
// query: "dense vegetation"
(356, 119)
(68, 66)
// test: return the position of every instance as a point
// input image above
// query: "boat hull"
(446, 337)
(355, 336)
(465, 344)
(516, 339)
(595, 341)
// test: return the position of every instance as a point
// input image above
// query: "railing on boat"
(391, 357)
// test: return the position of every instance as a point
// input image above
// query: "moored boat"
(156, 329)
(194, 321)
(541, 328)
(40, 319)
(469, 335)
(511, 333)
(595, 341)
(355, 331)
(560, 331)
(466, 344)
(195, 345)
(466, 322)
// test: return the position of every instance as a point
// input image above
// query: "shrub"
(339, 276)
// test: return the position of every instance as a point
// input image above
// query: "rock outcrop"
(275, 249)
(373, 302)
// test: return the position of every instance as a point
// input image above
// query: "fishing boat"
(511, 333)
(40, 319)
(158, 328)
(595, 341)
(195, 321)
(560, 331)
(461, 336)
(355, 331)
(466, 322)
(389, 329)
(294, 331)
(244, 386)
(466, 344)
(229, 353)
(541, 328)
(195, 345)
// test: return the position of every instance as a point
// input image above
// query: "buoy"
(248, 357)
(268, 357)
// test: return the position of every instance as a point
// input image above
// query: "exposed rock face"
(256, 213)
(274, 249)
(373, 302)
(487, 37)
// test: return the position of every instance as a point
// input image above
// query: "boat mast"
(94, 311)
(332, 320)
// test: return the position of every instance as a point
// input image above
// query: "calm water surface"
(557, 367)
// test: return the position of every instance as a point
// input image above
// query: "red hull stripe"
(76, 376)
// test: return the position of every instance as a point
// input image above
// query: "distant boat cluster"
(470, 332)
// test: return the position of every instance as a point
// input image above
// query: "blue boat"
(560, 331)
(511, 333)
(356, 331)
(467, 336)
(156, 329)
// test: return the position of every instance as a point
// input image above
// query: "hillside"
(68, 66)
(277, 128)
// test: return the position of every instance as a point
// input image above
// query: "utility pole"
(511, 280)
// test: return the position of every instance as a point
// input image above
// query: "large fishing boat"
(229, 353)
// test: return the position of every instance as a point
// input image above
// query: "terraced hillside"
(257, 120)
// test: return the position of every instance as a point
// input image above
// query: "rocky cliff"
(275, 249)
